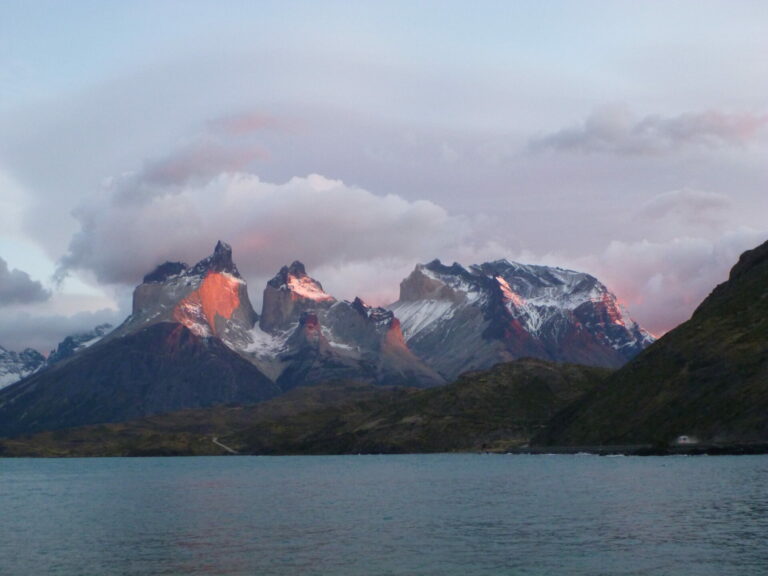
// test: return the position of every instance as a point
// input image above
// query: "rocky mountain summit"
(459, 319)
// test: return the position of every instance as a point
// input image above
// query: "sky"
(625, 139)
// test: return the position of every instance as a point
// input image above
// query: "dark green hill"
(494, 409)
(191, 432)
(707, 379)
(161, 368)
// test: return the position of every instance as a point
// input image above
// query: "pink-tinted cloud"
(199, 161)
(616, 130)
(662, 282)
(244, 123)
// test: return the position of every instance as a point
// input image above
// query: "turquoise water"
(385, 515)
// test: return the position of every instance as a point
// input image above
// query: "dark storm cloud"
(16, 287)
(616, 130)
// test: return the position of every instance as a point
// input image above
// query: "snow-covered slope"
(458, 318)
(17, 365)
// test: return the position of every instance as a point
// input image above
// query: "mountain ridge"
(513, 310)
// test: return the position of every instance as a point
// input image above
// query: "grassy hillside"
(708, 378)
(494, 409)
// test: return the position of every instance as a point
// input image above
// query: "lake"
(385, 515)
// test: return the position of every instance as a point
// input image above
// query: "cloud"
(662, 282)
(198, 162)
(19, 330)
(686, 212)
(321, 221)
(362, 244)
(244, 123)
(688, 203)
(615, 130)
(16, 287)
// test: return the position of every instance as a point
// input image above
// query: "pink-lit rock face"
(290, 293)
(210, 299)
(307, 288)
(217, 296)
(394, 336)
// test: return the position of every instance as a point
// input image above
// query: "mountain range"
(702, 387)
(193, 338)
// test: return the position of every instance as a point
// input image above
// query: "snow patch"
(308, 288)
(264, 344)
(420, 315)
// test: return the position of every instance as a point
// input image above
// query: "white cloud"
(361, 244)
(320, 221)
(20, 329)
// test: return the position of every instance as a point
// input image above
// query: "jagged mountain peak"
(438, 267)
(376, 314)
(438, 282)
(294, 279)
(295, 270)
(219, 261)
(290, 293)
